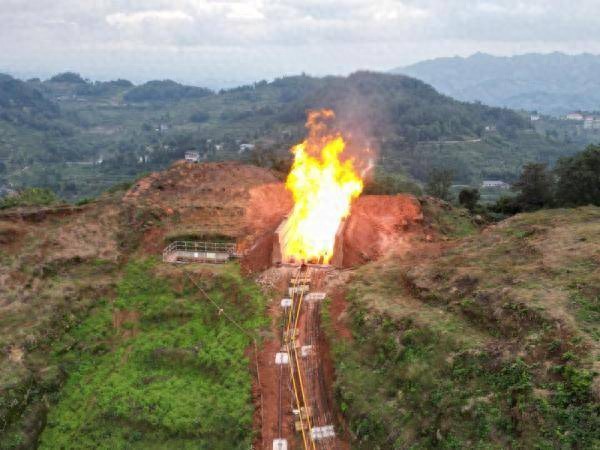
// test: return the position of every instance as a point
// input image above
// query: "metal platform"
(195, 251)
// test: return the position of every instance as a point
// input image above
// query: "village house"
(496, 184)
(192, 157)
(575, 116)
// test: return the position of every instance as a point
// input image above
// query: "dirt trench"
(275, 419)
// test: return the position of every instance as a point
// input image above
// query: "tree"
(439, 182)
(468, 198)
(386, 183)
(199, 117)
(68, 77)
(535, 186)
(579, 178)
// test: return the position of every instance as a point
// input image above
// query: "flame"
(323, 187)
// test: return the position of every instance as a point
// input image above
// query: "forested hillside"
(78, 137)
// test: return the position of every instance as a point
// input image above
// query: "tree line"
(575, 181)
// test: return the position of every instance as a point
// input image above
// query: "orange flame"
(323, 187)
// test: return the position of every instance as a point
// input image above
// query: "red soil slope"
(378, 223)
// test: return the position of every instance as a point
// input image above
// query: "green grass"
(491, 345)
(402, 383)
(176, 377)
(30, 197)
(452, 222)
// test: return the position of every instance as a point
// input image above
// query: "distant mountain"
(552, 83)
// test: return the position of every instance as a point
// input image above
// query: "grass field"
(158, 367)
(493, 345)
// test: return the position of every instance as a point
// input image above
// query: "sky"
(222, 43)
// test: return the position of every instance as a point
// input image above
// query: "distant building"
(575, 116)
(496, 184)
(534, 117)
(246, 147)
(591, 123)
(192, 157)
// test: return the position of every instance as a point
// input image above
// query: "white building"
(575, 116)
(496, 184)
(246, 147)
(192, 157)
(534, 117)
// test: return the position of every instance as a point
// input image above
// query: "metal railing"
(200, 247)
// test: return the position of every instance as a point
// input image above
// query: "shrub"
(468, 198)
(439, 182)
(30, 197)
(199, 117)
(385, 183)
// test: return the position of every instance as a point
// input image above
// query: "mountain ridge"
(103, 133)
(568, 82)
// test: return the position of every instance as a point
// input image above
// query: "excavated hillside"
(441, 335)
(59, 263)
(245, 204)
(62, 266)
(225, 199)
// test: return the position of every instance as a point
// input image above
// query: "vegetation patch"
(173, 375)
(491, 345)
(30, 197)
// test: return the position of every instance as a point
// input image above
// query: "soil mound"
(217, 200)
(378, 224)
(230, 200)
(226, 198)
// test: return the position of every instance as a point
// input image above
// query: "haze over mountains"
(553, 83)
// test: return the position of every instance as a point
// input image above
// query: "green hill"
(77, 137)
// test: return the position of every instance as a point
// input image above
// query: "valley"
(78, 137)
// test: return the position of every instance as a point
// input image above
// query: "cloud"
(244, 11)
(124, 19)
(271, 37)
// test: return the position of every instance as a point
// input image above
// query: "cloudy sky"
(223, 43)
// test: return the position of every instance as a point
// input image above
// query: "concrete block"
(280, 444)
(315, 296)
(282, 358)
(323, 432)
